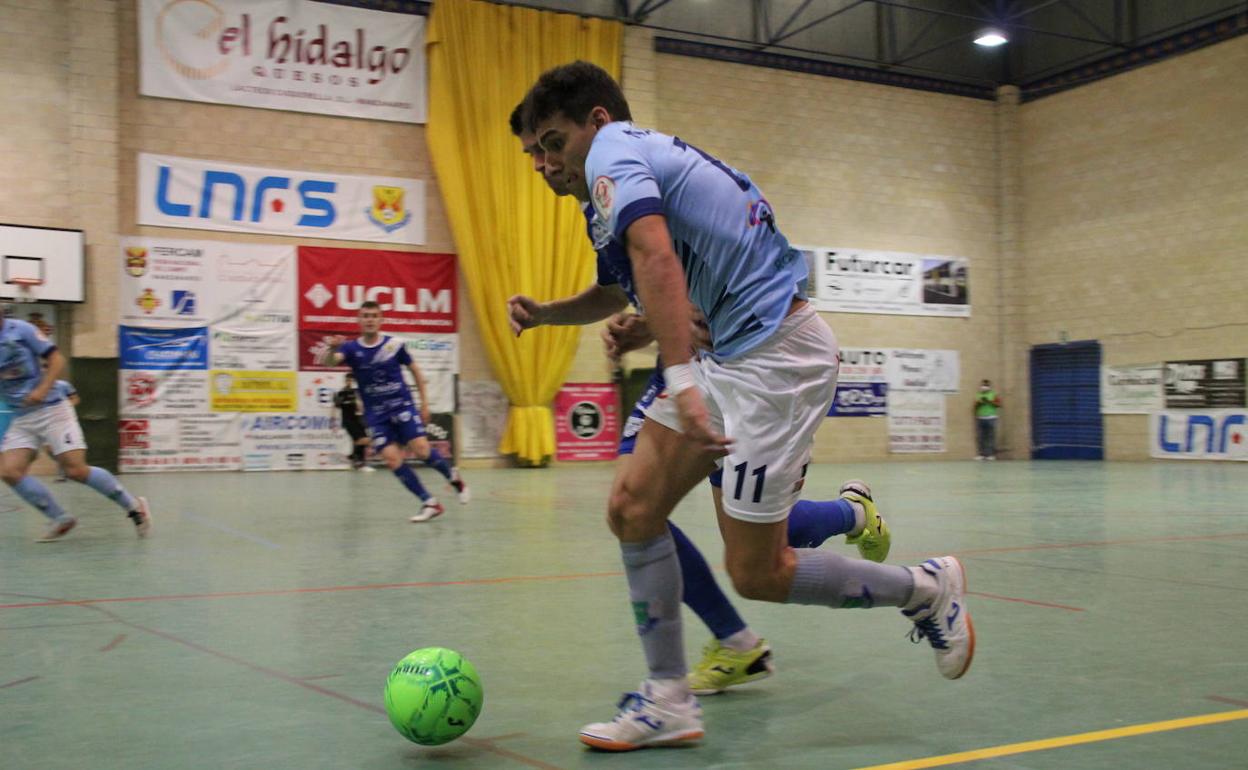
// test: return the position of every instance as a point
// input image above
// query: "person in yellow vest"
(987, 404)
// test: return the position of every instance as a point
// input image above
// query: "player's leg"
(422, 450)
(69, 447)
(388, 443)
(18, 448)
(14, 464)
(663, 469)
(763, 473)
(735, 654)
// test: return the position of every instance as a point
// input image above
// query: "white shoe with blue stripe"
(645, 720)
(945, 621)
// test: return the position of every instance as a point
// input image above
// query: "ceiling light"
(991, 38)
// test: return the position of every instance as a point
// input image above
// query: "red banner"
(587, 424)
(416, 290)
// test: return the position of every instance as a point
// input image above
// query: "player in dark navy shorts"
(377, 361)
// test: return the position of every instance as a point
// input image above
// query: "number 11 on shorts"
(760, 477)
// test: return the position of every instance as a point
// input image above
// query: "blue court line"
(226, 528)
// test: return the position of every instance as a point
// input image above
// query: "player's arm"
(660, 284)
(54, 367)
(594, 304)
(329, 354)
(422, 388)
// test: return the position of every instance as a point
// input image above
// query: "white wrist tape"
(679, 378)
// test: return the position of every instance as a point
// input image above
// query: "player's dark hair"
(575, 90)
(517, 119)
(370, 305)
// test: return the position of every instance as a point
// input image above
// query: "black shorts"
(355, 429)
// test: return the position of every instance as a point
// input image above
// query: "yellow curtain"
(511, 233)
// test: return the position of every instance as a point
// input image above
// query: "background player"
(735, 655)
(347, 401)
(377, 360)
(44, 417)
(697, 230)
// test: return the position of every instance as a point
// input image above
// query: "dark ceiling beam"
(919, 38)
(991, 23)
(1076, 10)
(762, 20)
(789, 21)
(779, 37)
(944, 44)
(1037, 7)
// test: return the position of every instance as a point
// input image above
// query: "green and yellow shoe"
(723, 667)
(874, 540)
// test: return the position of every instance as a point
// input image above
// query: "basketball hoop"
(25, 288)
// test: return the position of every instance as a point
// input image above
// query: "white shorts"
(54, 426)
(663, 411)
(771, 401)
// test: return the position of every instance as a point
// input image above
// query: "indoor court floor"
(255, 629)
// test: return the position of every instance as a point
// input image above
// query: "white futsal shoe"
(944, 621)
(431, 509)
(646, 720)
(460, 487)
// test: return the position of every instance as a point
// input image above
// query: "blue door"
(1066, 402)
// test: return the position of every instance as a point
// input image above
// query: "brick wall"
(1133, 229)
(861, 165)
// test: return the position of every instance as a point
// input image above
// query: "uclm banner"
(209, 195)
(285, 55)
(416, 290)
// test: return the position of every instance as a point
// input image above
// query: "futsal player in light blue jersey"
(30, 366)
(377, 361)
(736, 655)
(695, 229)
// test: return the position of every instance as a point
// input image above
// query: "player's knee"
(754, 583)
(393, 462)
(78, 473)
(11, 476)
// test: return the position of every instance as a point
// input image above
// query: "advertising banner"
(269, 348)
(933, 371)
(251, 391)
(163, 349)
(294, 442)
(916, 422)
(890, 283)
(324, 58)
(191, 443)
(864, 399)
(1207, 384)
(210, 195)
(1216, 434)
(863, 365)
(165, 283)
(167, 392)
(416, 291)
(482, 417)
(587, 423)
(1132, 389)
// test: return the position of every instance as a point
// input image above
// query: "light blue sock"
(34, 492)
(410, 480)
(436, 461)
(107, 484)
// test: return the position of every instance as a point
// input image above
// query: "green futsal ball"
(433, 696)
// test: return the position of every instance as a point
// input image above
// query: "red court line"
(1229, 701)
(16, 682)
(1032, 602)
(1102, 543)
(113, 644)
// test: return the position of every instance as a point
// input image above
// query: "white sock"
(670, 690)
(860, 518)
(926, 588)
(742, 641)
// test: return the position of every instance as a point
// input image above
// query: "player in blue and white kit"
(377, 360)
(43, 416)
(695, 229)
(736, 655)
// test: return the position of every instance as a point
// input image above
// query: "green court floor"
(256, 628)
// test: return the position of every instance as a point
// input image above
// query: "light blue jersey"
(65, 388)
(739, 269)
(21, 348)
